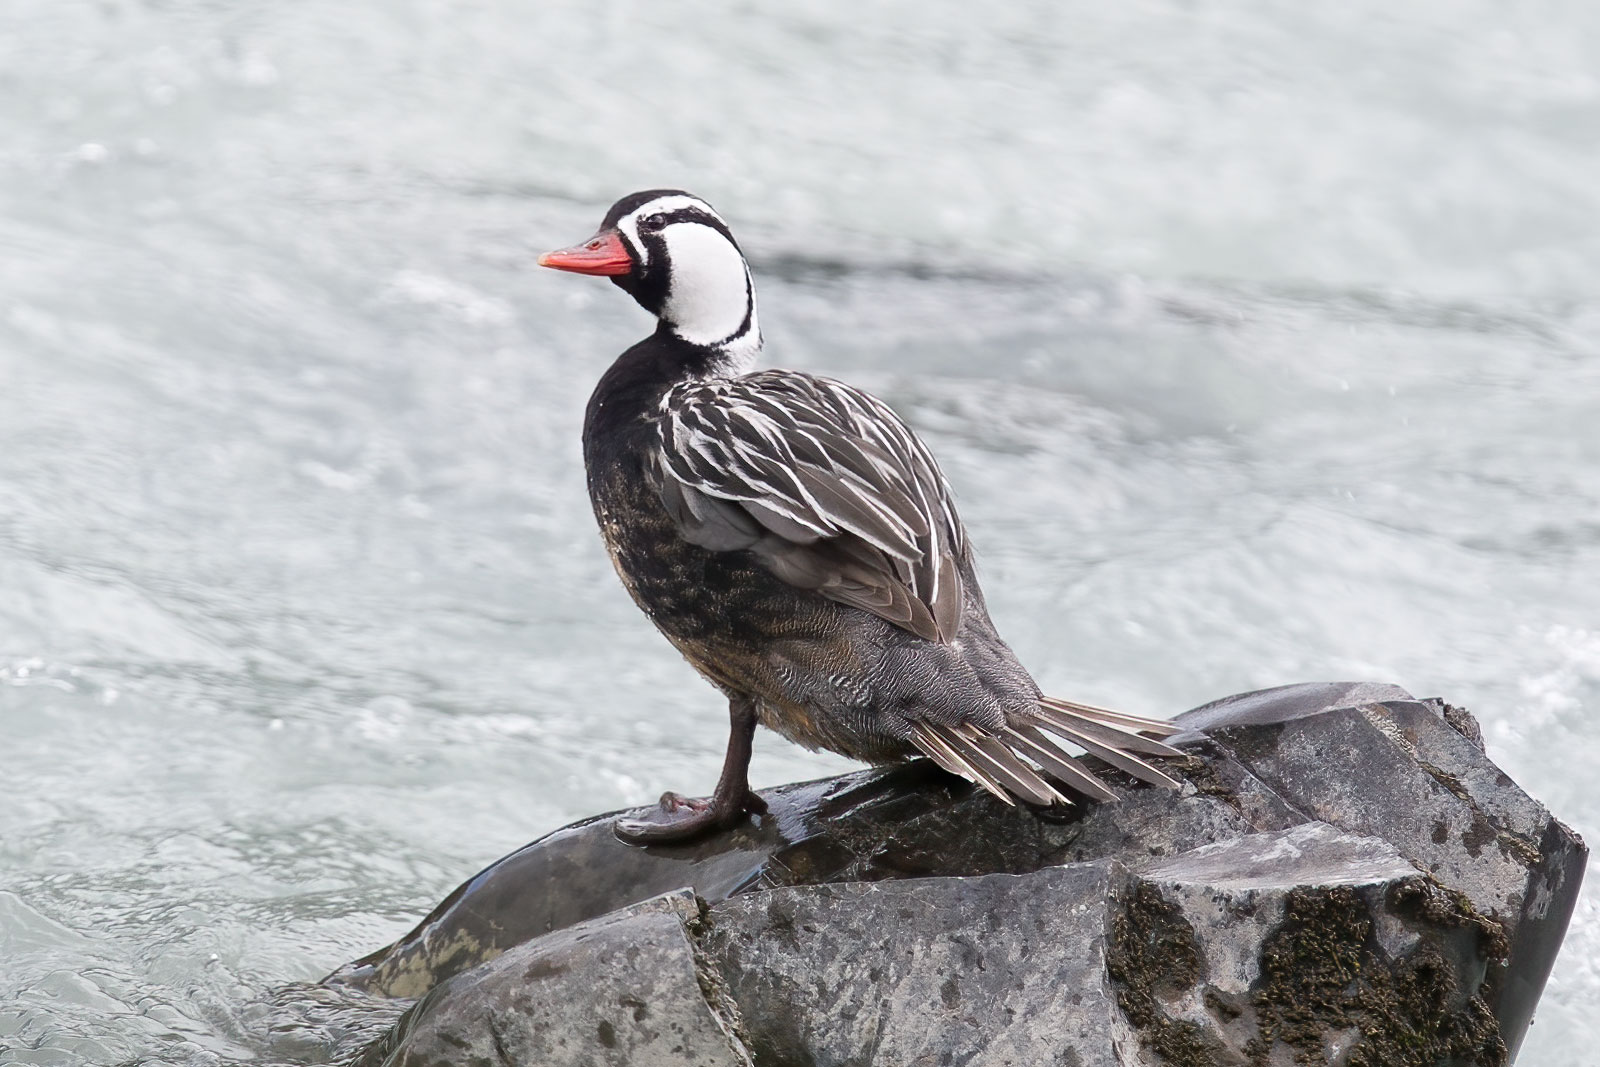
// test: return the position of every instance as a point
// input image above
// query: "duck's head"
(675, 255)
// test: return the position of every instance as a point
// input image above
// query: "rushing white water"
(1260, 344)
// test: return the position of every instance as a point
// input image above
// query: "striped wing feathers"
(829, 488)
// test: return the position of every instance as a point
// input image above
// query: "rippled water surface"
(1260, 344)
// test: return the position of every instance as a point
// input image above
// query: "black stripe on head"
(652, 224)
(634, 201)
(697, 211)
(658, 221)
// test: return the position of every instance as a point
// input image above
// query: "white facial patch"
(708, 293)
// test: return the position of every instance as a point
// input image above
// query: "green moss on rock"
(1322, 971)
(1153, 953)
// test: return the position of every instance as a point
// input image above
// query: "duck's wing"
(825, 484)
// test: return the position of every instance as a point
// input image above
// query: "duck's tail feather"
(1013, 763)
(1118, 719)
(980, 757)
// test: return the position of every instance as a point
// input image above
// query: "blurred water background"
(1260, 341)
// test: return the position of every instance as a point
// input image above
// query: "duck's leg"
(679, 818)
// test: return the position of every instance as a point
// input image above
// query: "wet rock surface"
(1345, 878)
(630, 994)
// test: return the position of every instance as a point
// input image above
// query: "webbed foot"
(679, 818)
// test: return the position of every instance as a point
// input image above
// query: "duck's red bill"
(604, 253)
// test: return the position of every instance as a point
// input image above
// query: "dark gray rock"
(1003, 969)
(620, 989)
(900, 822)
(1309, 941)
(1405, 771)
(1346, 878)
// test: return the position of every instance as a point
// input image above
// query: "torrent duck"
(794, 538)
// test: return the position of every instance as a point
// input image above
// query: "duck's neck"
(710, 299)
(730, 333)
(732, 357)
(629, 393)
